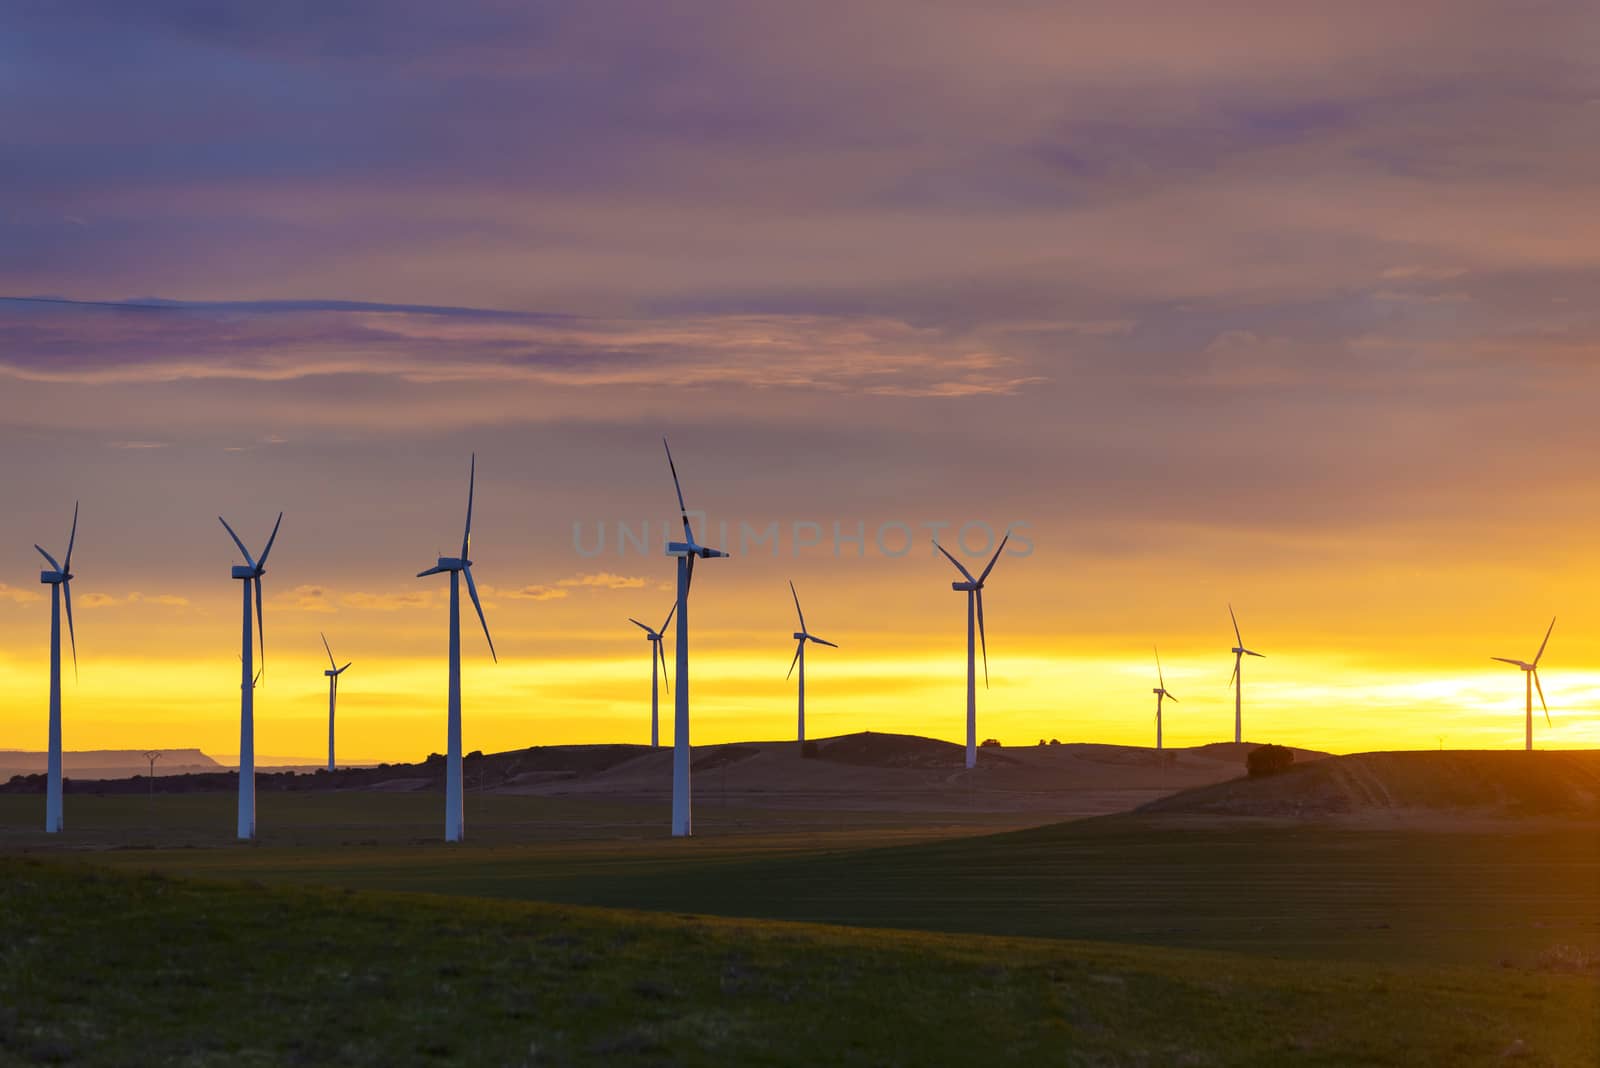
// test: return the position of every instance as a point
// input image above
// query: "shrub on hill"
(989, 743)
(1268, 760)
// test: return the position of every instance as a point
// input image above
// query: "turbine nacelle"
(801, 635)
(54, 578)
(966, 587)
(446, 563)
(689, 548)
(246, 573)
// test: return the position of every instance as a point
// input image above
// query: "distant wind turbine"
(1160, 692)
(333, 673)
(973, 588)
(249, 576)
(801, 637)
(59, 579)
(1237, 679)
(458, 566)
(658, 676)
(687, 551)
(1530, 674)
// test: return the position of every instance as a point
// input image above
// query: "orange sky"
(1227, 304)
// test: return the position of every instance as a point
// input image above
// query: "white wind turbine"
(1530, 673)
(687, 551)
(973, 588)
(657, 675)
(1161, 693)
(333, 673)
(458, 566)
(249, 576)
(1236, 680)
(801, 636)
(59, 579)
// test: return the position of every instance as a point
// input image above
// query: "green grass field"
(1118, 940)
(101, 967)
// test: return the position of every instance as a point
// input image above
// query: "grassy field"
(350, 933)
(1517, 894)
(102, 967)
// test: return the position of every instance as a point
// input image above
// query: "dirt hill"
(1481, 783)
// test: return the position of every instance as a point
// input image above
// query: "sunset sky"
(1221, 302)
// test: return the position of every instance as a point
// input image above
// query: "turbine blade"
(797, 647)
(663, 654)
(430, 571)
(261, 627)
(66, 594)
(1535, 657)
(324, 638)
(995, 558)
(67, 566)
(249, 562)
(1160, 679)
(688, 580)
(262, 563)
(1252, 652)
(978, 593)
(821, 641)
(472, 481)
(53, 565)
(682, 508)
(953, 560)
(1238, 640)
(342, 670)
(797, 611)
(1507, 660)
(1235, 675)
(641, 626)
(472, 588)
(670, 613)
(1170, 697)
(1540, 688)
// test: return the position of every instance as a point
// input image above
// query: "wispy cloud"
(307, 598)
(106, 600)
(19, 596)
(526, 593)
(388, 602)
(277, 341)
(604, 580)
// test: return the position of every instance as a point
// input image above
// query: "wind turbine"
(687, 551)
(1161, 693)
(249, 575)
(973, 588)
(59, 579)
(1530, 674)
(458, 566)
(657, 676)
(801, 637)
(333, 673)
(1236, 680)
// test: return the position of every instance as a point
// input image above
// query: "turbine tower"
(333, 673)
(249, 577)
(801, 637)
(1530, 673)
(1161, 693)
(59, 579)
(657, 677)
(1236, 680)
(458, 566)
(687, 551)
(973, 588)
